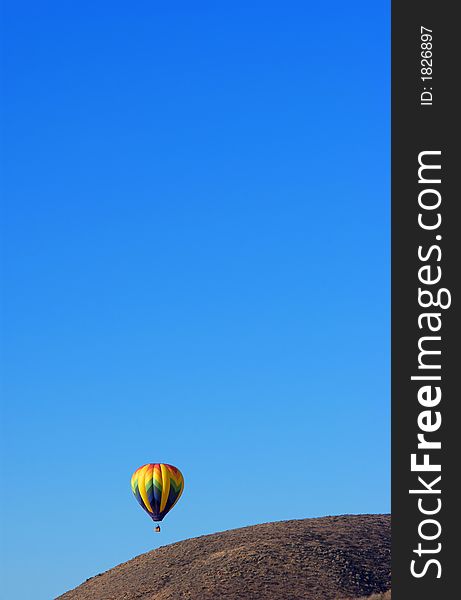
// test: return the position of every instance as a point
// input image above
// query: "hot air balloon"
(157, 487)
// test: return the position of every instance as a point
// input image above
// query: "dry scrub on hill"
(310, 559)
(385, 596)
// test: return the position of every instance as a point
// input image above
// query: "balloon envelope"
(157, 487)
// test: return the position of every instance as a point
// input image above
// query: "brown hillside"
(311, 559)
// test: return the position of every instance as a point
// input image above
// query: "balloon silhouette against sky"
(157, 487)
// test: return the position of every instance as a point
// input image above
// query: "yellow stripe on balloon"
(157, 475)
(133, 480)
(142, 486)
(165, 486)
(179, 495)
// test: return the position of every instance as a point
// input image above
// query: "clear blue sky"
(196, 242)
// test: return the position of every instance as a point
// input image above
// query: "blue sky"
(196, 271)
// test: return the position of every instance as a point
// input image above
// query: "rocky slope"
(311, 559)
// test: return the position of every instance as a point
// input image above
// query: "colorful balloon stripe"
(157, 487)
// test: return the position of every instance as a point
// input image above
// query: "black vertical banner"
(426, 267)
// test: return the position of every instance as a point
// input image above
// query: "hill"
(311, 559)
